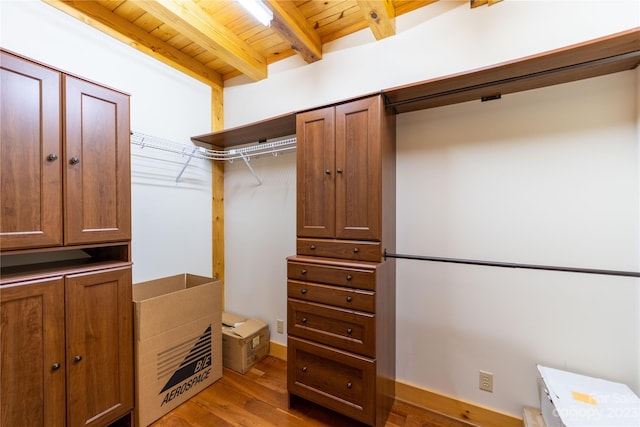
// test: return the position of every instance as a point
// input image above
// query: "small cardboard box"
(244, 342)
(177, 342)
(572, 400)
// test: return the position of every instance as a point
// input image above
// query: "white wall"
(171, 222)
(550, 176)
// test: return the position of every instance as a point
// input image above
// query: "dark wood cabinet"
(97, 172)
(99, 334)
(65, 149)
(32, 359)
(65, 231)
(340, 169)
(341, 290)
(31, 153)
(66, 349)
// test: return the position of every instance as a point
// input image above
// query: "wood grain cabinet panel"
(31, 153)
(355, 299)
(97, 164)
(67, 350)
(32, 363)
(338, 327)
(65, 239)
(65, 150)
(336, 379)
(99, 327)
(350, 276)
(339, 174)
(341, 290)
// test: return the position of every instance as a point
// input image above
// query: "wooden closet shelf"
(605, 55)
(275, 127)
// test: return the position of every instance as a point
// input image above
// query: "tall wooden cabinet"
(340, 289)
(65, 228)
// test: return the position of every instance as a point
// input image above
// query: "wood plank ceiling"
(214, 40)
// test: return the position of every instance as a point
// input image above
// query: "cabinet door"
(99, 347)
(358, 166)
(30, 149)
(97, 164)
(316, 173)
(32, 370)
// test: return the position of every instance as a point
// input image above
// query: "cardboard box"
(244, 342)
(177, 342)
(572, 400)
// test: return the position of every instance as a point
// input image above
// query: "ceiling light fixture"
(259, 10)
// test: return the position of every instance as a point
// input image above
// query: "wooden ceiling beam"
(476, 3)
(292, 26)
(381, 17)
(187, 18)
(102, 19)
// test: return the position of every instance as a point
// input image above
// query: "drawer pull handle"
(312, 247)
(55, 366)
(304, 369)
(304, 271)
(303, 291)
(52, 157)
(349, 298)
(304, 320)
(349, 277)
(349, 331)
(349, 385)
(356, 250)
(77, 358)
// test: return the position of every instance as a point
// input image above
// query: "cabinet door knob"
(356, 250)
(349, 385)
(304, 320)
(55, 366)
(303, 272)
(349, 298)
(303, 291)
(52, 157)
(339, 170)
(349, 331)
(304, 369)
(74, 161)
(77, 358)
(327, 171)
(349, 277)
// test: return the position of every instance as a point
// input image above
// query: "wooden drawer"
(356, 299)
(344, 249)
(345, 329)
(332, 378)
(334, 275)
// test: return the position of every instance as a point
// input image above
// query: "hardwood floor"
(259, 399)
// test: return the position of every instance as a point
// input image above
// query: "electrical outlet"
(486, 381)
(280, 326)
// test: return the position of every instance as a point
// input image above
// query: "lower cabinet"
(341, 335)
(67, 349)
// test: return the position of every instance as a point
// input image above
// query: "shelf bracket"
(186, 164)
(246, 162)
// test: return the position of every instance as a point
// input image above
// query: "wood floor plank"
(259, 398)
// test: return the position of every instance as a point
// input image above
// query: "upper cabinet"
(345, 163)
(96, 164)
(31, 152)
(65, 159)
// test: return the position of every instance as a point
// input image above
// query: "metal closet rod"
(513, 265)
